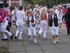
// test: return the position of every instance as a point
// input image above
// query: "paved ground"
(43, 46)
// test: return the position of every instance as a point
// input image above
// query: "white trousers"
(20, 33)
(37, 27)
(43, 28)
(3, 29)
(31, 31)
(54, 31)
(19, 30)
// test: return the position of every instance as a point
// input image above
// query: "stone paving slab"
(17, 52)
(44, 42)
(48, 47)
(16, 49)
(63, 45)
(3, 43)
(43, 45)
(35, 52)
(66, 50)
(53, 51)
(15, 43)
(32, 48)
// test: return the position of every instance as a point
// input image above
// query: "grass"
(4, 50)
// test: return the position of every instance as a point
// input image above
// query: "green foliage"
(4, 50)
(28, 1)
(25, 4)
(39, 1)
(11, 8)
(5, 1)
(47, 2)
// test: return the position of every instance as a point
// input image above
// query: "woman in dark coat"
(67, 20)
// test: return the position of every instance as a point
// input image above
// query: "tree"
(28, 1)
(39, 1)
(47, 2)
(4, 1)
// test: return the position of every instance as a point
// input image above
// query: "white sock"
(44, 34)
(17, 32)
(20, 35)
(5, 36)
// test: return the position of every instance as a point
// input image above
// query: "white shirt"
(35, 9)
(20, 15)
(13, 15)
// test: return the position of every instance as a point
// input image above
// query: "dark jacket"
(36, 16)
(51, 20)
(32, 21)
(67, 17)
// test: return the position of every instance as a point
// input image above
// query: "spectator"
(67, 20)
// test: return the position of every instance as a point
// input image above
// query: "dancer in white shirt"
(43, 23)
(20, 14)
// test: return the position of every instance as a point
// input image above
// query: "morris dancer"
(44, 16)
(53, 23)
(20, 14)
(31, 27)
(4, 24)
(38, 19)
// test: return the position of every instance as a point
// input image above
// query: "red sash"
(44, 16)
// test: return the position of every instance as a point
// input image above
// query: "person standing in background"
(67, 20)
(35, 9)
(14, 15)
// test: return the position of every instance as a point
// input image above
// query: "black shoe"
(15, 37)
(68, 33)
(11, 37)
(4, 39)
